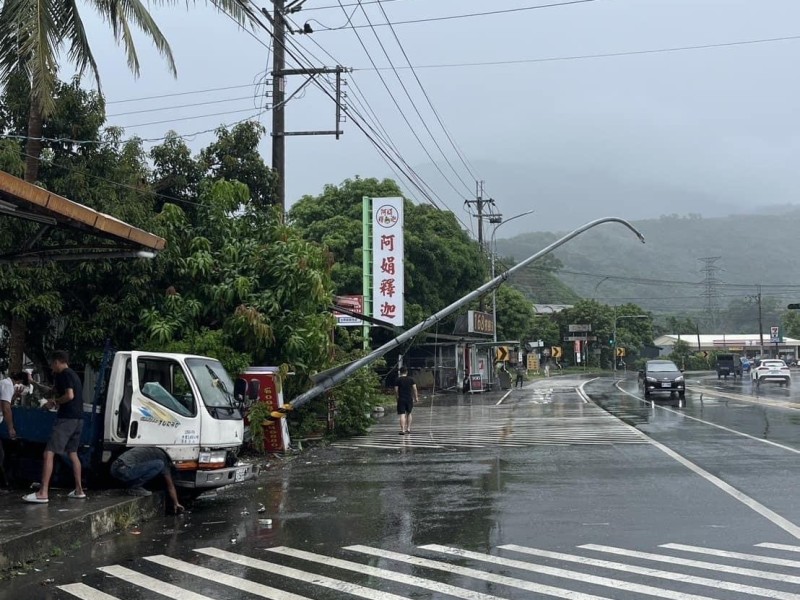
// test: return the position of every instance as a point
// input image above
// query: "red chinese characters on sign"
(387, 266)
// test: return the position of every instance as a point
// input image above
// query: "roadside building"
(745, 344)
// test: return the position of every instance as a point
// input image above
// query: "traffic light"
(611, 342)
(794, 307)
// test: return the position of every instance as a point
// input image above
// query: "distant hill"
(664, 275)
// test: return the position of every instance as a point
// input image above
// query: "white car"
(771, 369)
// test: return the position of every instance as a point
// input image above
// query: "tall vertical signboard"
(388, 272)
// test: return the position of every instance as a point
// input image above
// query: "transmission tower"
(711, 285)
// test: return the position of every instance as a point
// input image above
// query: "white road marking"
(152, 584)
(476, 574)
(779, 547)
(499, 402)
(751, 503)
(699, 564)
(616, 584)
(250, 587)
(782, 562)
(669, 575)
(728, 429)
(84, 592)
(427, 584)
(320, 580)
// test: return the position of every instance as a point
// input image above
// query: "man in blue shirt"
(66, 436)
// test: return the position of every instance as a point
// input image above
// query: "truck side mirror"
(254, 390)
(239, 389)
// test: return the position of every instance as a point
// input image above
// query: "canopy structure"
(116, 239)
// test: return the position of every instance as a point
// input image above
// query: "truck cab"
(728, 365)
(183, 404)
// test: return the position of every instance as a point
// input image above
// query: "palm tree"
(33, 34)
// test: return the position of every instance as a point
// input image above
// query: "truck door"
(164, 406)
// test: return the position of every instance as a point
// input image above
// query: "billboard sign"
(388, 272)
(353, 303)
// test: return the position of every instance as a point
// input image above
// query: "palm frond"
(136, 12)
(80, 51)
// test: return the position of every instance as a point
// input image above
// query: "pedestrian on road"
(137, 466)
(10, 390)
(66, 436)
(520, 376)
(406, 391)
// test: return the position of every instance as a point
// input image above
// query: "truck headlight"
(212, 459)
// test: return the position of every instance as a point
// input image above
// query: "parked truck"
(728, 365)
(181, 403)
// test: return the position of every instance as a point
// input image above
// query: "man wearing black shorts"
(66, 436)
(406, 391)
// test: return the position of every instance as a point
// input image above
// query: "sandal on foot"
(76, 496)
(34, 499)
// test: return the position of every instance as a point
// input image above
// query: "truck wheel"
(682, 395)
(719, 375)
(646, 393)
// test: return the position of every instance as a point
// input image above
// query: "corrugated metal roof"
(21, 199)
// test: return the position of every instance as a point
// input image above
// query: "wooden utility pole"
(278, 100)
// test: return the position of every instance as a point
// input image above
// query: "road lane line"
(499, 402)
(428, 584)
(521, 584)
(84, 592)
(668, 575)
(698, 564)
(779, 547)
(152, 584)
(313, 578)
(728, 429)
(781, 562)
(616, 584)
(751, 503)
(239, 583)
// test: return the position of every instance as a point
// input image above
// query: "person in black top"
(66, 435)
(406, 391)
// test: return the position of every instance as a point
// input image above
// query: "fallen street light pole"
(334, 376)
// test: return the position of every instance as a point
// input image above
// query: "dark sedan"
(662, 376)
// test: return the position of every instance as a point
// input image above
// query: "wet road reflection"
(770, 412)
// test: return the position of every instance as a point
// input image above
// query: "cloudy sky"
(718, 123)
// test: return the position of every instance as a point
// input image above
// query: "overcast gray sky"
(719, 123)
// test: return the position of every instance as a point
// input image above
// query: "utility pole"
(278, 100)
(757, 299)
(479, 203)
(280, 27)
(711, 292)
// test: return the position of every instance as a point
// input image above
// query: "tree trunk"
(16, 343)
(33, 149)
(33, 145)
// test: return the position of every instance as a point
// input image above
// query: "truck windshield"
(216, 387)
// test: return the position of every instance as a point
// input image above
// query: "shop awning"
(117, 239)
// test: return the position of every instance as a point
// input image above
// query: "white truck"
(182, 403)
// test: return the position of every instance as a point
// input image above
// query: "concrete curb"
(82, 529)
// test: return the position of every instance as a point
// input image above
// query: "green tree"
(442, 262)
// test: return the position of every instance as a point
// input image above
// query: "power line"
(462, 16)
(414, 105)
(405, 118)
(217, 114)
(575, 57)
(190, 93)
(175, 107)
(427, 97)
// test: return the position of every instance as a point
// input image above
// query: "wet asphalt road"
(545, 470)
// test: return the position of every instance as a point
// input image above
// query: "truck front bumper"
(210, 479)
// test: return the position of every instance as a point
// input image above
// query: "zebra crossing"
(589, 572)
(534, 419)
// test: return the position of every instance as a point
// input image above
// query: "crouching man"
(137, 466)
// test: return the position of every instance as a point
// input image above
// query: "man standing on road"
(406, 391)
(66, 436)
(137, 466)
(520, 376)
